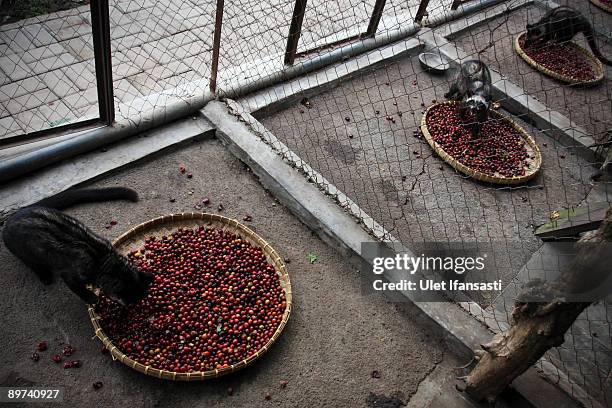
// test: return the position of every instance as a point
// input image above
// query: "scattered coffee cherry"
(113, 222)
(375, 374)
(182, 169)
(351, 136)
(42, 346)
(35, 356)
(283, 383)
(499, 149)
(214, 301)
(268, 397)
(205, 201)
(247, 218)
(172, 200)
(68, 350)
(56, 358)
(220, 207)
(230, 391)
(399, 114)
(347, 119)
(190, 175)
(75, 363)
(67, 365)
(560, 58)
(414, 82)
(287, 260)
(562, 156)
(97, 385)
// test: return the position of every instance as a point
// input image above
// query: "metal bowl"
(434, 62)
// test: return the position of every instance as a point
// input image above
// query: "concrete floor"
(334, 340)
(394, 176)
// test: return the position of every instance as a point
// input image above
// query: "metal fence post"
(216, 46)
(379, 7)
(456, 4)
(100, 23)
(295, 30)
(422, 11)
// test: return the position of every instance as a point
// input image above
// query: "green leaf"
(312, 257)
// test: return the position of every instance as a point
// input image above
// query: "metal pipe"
(216, 46)
(463, 10)
(320, 61)
(96, 138)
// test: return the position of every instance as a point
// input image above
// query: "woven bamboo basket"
(602, 5)
(595, 63)
(530, 145)
(134, 239)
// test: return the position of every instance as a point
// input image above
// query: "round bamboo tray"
(595, 63)
(134, 239)
(530, 145)
(605, 7)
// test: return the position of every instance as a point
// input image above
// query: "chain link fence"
(360, 130)
(363, 135)
(47, 72)
(160, 52)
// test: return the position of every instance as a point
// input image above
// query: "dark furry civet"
(54, 244)
(472, 87)
(560, 25)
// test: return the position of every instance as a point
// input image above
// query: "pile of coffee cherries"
(498, 149)
(214, 301)
(560, 58)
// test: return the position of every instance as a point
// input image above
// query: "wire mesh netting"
(161, 53)
(364, 137)
(363, 134)
(47, 72)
